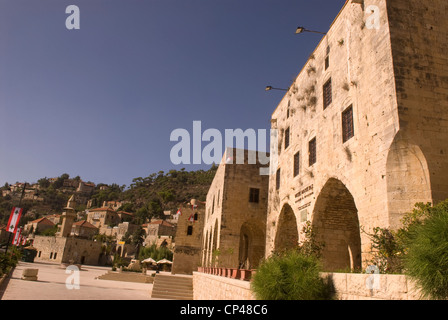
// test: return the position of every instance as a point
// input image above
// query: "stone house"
(103, 217)
(55, 218)
(234, 234)
(39, 225)
(362, 130)
(84, 229)
(85, 187)
(157, 229)
(125, 216)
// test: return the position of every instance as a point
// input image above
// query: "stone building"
(363, 129)
(66, 248)
(236, 207)
(188, 240)
(84, 229)
(100, 217)
(39, 225)
(158, 229)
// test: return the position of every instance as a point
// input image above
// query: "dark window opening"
(287, 135)
(277, 180)
(254, 195)
(189, 230)
(328, 98)
(348, 131)
(312, 152)
(296, 164)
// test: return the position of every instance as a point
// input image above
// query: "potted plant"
(245, 274)
(236, 273)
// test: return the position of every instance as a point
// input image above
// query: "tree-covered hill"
(146, 197)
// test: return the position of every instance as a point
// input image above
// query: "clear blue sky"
(102, 101)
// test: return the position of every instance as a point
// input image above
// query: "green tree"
(426, 259)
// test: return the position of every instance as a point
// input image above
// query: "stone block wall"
(223, 288)
(354, 286)
(235, 225)
(349, 286)
(394, 77)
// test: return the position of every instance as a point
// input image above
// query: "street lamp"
(269, 88)
(302, 30)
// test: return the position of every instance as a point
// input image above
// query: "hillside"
(145, 197)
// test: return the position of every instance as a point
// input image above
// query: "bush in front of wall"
(291, 275)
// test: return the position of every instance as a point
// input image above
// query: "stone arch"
(205, 248)
(287, 235)
(335, 221)
(408, 178)
(214, 243)
(252, 245)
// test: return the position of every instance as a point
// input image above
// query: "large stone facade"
(235, 216)
(188, 239)
(363, 129)
(67, 250)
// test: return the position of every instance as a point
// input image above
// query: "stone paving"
(51, 285)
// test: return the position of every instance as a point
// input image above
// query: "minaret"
(68, 217)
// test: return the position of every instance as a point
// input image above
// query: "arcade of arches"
(335, 222)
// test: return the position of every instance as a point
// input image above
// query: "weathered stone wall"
(63, 250)
(188, 239)
(223, 288)
(395, 79)
(82, 251)
(348, 286)
(48, 247)
(234, 231)
(418, 31)
(353, 286)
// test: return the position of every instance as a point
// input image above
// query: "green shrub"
(156, 253)
(291, 276)
(8, 261)
(387, 250)
(426, 259)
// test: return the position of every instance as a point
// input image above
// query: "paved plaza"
(51, 285)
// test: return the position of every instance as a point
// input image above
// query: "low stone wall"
(213, 287)
(127, 277)
(356, 286)
(349, 286)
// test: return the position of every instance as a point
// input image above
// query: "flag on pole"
(17, 236)
(14, 218)
(179, 213)
(191, 218)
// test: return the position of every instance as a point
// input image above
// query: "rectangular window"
(296, 164)
(277, 179)
(254, 195)
(287, 138)
(328, 98)
(347, 124)
(327, 62)
(312, 152)
(189, 230)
